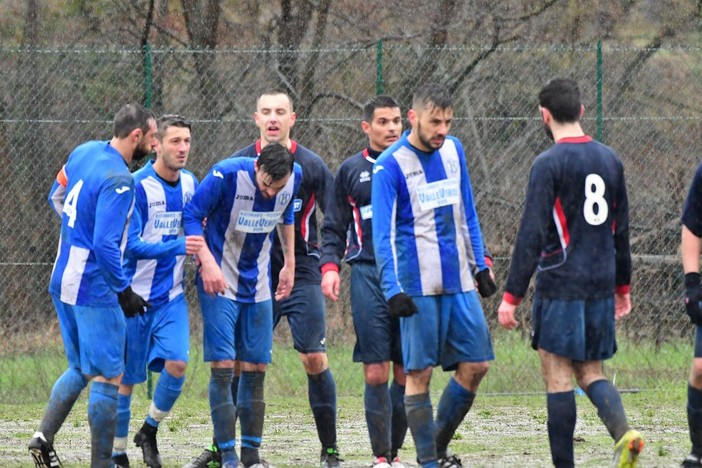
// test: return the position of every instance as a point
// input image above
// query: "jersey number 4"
(595, 208)
(69, 205)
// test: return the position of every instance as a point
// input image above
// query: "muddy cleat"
(330, 458)
(121, 460)
(450, 461)
(381, 462)
(627, 450)
(692, 461)
(397, 463)
(147, 442)
(43, 452)
(209, 458)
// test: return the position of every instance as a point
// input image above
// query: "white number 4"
(595, 209)
(69, 206)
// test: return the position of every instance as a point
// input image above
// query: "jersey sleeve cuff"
(622, 289)
(488, 261)
(512, 299)
(330, 267)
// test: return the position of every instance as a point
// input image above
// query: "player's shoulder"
(248, 151)
(188, 174)
(144, 172)
(305, 155)
(234, 164)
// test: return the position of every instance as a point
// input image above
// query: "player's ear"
(582, 110)
(412, 116)
(365, 126)
(293, 118)
(545, 114)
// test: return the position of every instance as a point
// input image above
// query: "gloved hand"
(401, 305)
(486, 285)
(693, 296)
(131, 303)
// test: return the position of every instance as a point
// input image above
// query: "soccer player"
(154, 261)
(305, 309)
(377, 334)
(94, 195)
(429, 252)
(575, 234)
(243, 199)
(691, 248)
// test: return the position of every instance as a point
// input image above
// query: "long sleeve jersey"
(155, 254)
(99, 197)
(426, 231)
(692, 210)
(240, 224)
(575, 226)
(315, 190)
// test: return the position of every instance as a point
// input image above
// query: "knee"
(176, 368)
(696, 373)
(314, 363)
(377, 374)
(469, 375)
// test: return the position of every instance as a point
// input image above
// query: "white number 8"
(594, 196)
(69, 207)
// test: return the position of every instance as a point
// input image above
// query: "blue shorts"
(578, 330)
(161, 334)
(93, 338)
(305, 310)
(428, 340)
(377, 334)
(235, 330)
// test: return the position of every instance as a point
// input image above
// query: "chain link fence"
(644, 102)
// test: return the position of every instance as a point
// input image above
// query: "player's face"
(267, 185)
(431, 126)
(147, 144)
(174, 147)
(385, 128)
(274, 117)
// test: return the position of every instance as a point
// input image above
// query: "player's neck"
(287, 143)
(123, 148)
(166, 173)
(566, 130)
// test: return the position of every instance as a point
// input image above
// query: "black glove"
(486, 286)
(401, 305)
(693, 296)
(131, 303)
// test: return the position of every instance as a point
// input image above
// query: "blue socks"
(421, 423)
(102, 415)
(454, 405)
(399, 417)
(66, 391)
(322, 394)
(167, 392)
(124, 414)
(251, 408)
(694, 418)
(609, 406)
(561, 426)
(378, 417)
(223, 413)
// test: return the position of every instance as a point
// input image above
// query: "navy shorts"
(377, 334)
(447, 330)
(161, 334)
(578, 330)
(305, 311)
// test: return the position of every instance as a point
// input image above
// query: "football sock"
(223, 412)
(609, 406)
(399, 417)
(63, 396)
(322, 394)
(124, 414)
(421, 423)
(561, 426)
(235, 392)
(376, 399)
(167, 392)
(694, 419)
(102, 415)
(454, 405)
(251, 409)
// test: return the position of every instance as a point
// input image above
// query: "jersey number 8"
(595, 208)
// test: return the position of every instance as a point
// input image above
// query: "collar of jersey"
(578, 139)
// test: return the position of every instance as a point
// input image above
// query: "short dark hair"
(172, 120)
(276, 160)
(432, 96)
(274, 91)
(561, 96)
(377, 102)
(131, 117)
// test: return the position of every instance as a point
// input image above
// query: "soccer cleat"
(209, 458)
(43, 452)
(121, 460)
(330, 458)
(450, 461)
(692, 461)
(147, 442)
(627, 450)
(397, 463)
(381, 462)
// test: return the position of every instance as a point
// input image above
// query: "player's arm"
(691, 248)
(57, 194)
(286, 277)
(383, 202)
(337, 219)
(622, 298)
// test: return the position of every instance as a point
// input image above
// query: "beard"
(140, 153)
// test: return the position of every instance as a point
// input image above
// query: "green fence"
(644, 102)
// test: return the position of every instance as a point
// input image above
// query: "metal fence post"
(379, 67)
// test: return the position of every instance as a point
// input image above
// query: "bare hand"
(213, 280)
(286, 280)
(622, 305)
(193, 244)
(330, 285)
(505, 315)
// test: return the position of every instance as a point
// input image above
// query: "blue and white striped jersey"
(155, 254)
(240, 224)
(99, 197)
(426, 233)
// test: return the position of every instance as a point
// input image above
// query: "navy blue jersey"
(692, 210)
(575, 226)
(315, 190)
(346, 231)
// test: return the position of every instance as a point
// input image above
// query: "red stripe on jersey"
(578, 139)
(356, 220)
(259, 147)
(305, 220)
(61, 177)
(561, 223)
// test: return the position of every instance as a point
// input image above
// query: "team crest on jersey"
(187, 197)
(284, 198)
(364, 176)
(452, 166)
(297, 205)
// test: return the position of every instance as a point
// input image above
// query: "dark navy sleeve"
(324, 187)
(336, 220)
(692, 209)
(621, 237)
(474, 232)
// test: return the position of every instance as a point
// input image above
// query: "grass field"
(506, 427)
